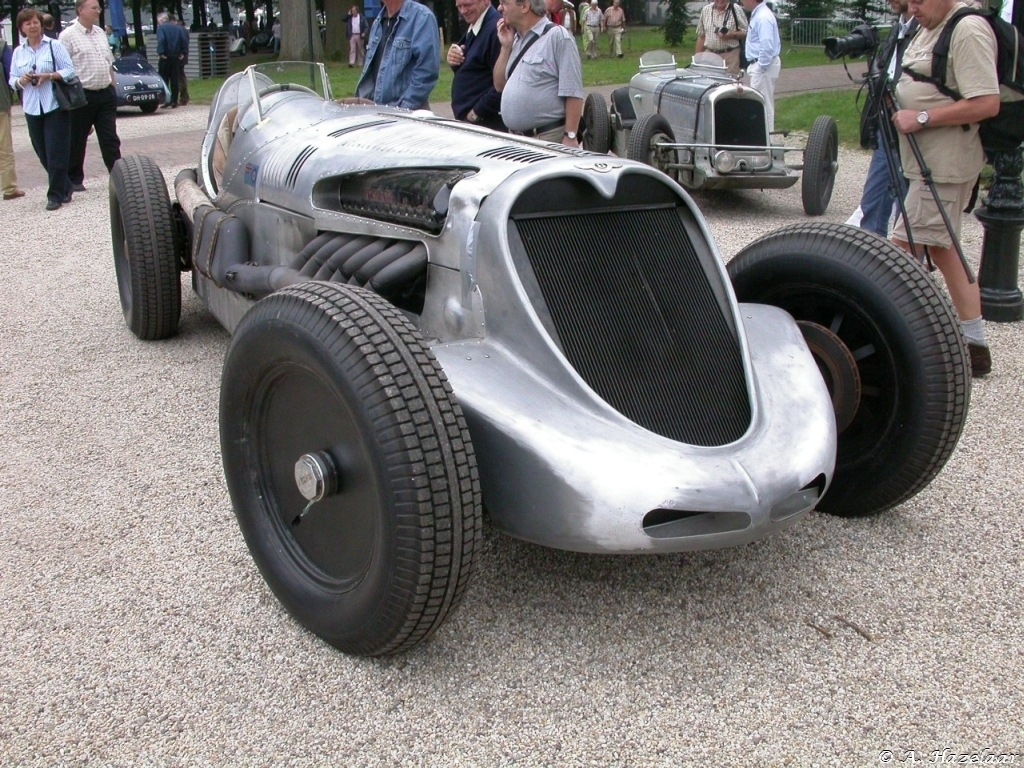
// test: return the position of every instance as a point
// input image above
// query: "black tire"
(888, 344)
(335, 372)
(150, 108)
(821, 163)
(647, 132)
(146, 260)
(595, 125)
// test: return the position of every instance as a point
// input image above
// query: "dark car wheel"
(145, 258)
(821, 161)
(595, 126)
(149, 108)
(647, 133)
(330, 394)
(888, 344)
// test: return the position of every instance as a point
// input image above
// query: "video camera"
(862, 40)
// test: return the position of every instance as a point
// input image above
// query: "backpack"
(1004, 131)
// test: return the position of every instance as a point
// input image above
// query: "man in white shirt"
(763, 47)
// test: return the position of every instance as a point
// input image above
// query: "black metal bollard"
(1002, 218)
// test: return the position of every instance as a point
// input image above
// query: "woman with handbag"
(36, 65)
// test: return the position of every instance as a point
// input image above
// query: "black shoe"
(78, 187)
(981, 360)
(67, 199)
(52, 205)
(174, 105)
(165, 106)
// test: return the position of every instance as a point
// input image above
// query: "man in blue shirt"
(763, 47)
(474, 98)
(403, 57)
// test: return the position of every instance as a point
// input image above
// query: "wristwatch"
(923, 118)
(570, 135)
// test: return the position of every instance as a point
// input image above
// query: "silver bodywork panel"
(515, 255)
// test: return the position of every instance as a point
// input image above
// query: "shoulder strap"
(940, 55)
(735, 18)
(526, 47)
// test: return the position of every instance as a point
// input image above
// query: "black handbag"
(69, 93)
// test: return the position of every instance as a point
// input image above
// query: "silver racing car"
(429, 319)
(707, 130)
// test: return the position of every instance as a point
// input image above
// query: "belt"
(534, 132)
(723, 50)
(593, 26)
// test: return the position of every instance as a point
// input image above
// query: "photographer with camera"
(722, 28)
(946, 133)
(881, 189)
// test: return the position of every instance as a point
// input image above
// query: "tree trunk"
(300, 33)
(336, 13)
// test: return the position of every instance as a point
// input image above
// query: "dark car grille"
(626, 296)
(739, 122)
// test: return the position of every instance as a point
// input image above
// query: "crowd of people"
(518, 68)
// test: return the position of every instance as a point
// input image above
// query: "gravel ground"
(135, 629)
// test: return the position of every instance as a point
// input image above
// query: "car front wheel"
(350, 467)
(145, 258)
(648, 132)
(821, 162)
(888, 345)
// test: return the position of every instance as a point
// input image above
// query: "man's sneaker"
(981, 360)
(13, 195)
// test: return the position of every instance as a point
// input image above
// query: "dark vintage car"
(705, 129)
(138, 84)
(429, 318)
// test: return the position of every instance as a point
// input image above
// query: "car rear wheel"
(150, 108)
(146, 261)
(350, 467)
(888, 345)
(821, 162)
(647, 133)
(595, 126)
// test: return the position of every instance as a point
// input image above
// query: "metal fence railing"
(812, 31)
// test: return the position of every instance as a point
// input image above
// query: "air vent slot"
(293, 173)
(516, 155)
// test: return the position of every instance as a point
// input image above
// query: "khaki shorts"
(926, 224)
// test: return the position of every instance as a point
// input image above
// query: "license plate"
(142, 97)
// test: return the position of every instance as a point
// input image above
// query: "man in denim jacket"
(403, 57)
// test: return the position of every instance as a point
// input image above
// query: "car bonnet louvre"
(637, 316)
(516, 154)
(282, 171)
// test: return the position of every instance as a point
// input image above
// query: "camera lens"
(723, 30)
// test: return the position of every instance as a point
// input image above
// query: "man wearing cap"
(538, 74)
(592, 22)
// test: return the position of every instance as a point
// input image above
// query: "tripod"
(882, 103)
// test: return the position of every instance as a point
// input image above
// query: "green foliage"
(867, 10)
(677, 19)
(811, 9)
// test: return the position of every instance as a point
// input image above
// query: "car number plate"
(144, 97)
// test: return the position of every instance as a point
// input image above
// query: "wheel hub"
(839, 369)
(317, 476)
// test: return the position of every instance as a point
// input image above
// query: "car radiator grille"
(640, 319)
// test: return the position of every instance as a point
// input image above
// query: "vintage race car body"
(707, 130)
(606, 386)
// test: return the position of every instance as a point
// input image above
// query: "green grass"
(798, 113)
(606, 70)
